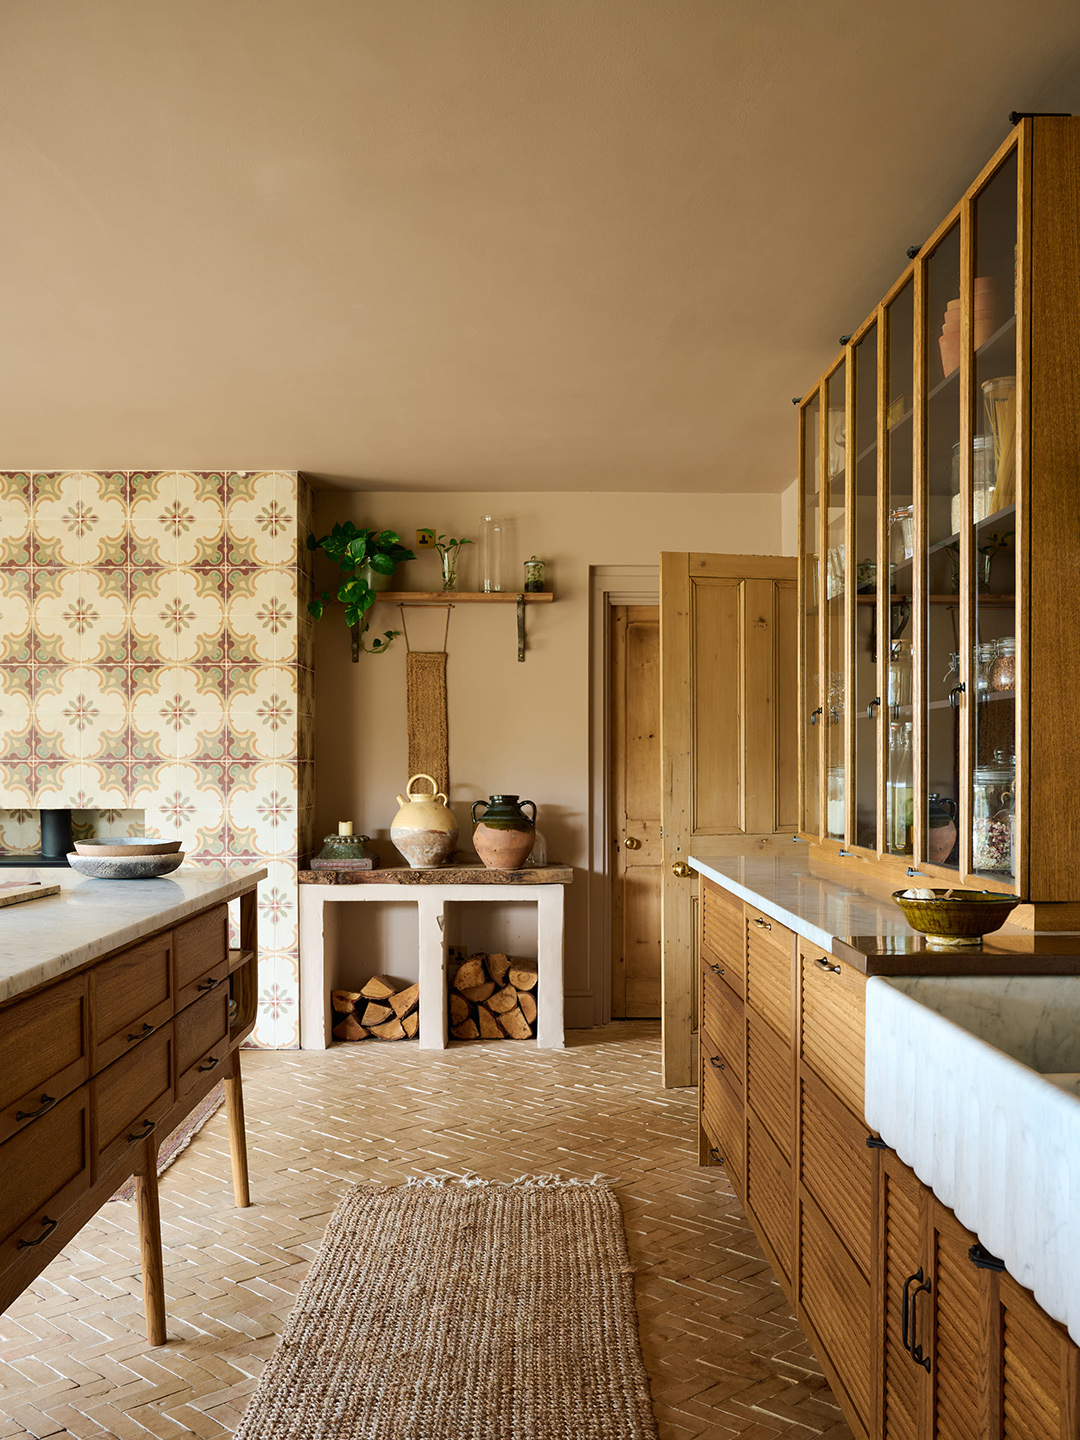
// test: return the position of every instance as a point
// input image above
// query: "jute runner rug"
(462, 1310)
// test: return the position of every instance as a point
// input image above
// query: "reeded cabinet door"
(900, 1397)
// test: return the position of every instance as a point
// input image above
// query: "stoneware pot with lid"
(424, 829)
(504, 836)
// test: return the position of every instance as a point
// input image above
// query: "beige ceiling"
(476, 244)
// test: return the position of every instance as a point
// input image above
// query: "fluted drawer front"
(722, 1118)
(770, 974)
(836, 1298)
(722, 1018)
(835, 1164)
(769, 1192)
(722, 932)
(770, 1074)
(833, 1025)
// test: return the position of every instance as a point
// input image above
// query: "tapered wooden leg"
(234, 1106)
(153, 1271)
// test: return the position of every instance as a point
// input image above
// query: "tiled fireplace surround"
(156, 654)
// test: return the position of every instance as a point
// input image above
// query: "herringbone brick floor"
(724, 1354)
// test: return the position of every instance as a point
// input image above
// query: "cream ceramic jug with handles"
(424, 829)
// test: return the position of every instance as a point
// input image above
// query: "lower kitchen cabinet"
(965, 1351)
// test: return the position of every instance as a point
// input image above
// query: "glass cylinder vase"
(495, 536)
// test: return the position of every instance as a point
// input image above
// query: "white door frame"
(608, 585)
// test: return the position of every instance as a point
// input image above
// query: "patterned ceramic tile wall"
(155, 654)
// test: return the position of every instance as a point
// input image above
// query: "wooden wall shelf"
(461, 597)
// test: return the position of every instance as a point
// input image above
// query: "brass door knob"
(632, 843)
(680, 869)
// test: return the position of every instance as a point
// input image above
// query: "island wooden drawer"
(44, 1052)
(131, 995)
(201, 950)
(723, 932)
(769, 1193)
(836, 1166)
(722, 1117)
(835, 1298)
(44, 1170)
(832, 1025)
(722, 1021)
(202, 1038)
(770, 977)
(770, 1082)
(131, 1096)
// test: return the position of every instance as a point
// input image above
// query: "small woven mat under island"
(462, 1309)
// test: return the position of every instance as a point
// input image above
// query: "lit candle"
(344, 827)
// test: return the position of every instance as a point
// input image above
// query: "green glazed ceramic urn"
(504, 835)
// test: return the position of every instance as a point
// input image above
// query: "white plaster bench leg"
(549, 990)
(433, 1033)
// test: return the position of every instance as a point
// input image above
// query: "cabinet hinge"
(875, 1142)
(981, 1257)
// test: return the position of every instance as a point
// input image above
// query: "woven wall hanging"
(425, 704)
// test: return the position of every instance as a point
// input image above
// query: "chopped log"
(411, 1023)
(391, 1030)
(379, 987)
(344, 1001)
(503, 1000)
(465, 1031)
(376, 1015)
(522, 977)
(405, 1000)
(489, 1026)
(479, 993)
(470, 973)
(528, 1006)
(349, 1029)
(460, 1009)
(515, 1025)
(498, 967)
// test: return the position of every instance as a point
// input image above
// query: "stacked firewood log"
(382, 1010)
(492, 998)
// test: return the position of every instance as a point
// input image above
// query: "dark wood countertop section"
(1010, 954)
(444, 875)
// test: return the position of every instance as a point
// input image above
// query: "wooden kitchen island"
(121, 1006)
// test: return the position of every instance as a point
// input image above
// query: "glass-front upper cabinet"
(900, 508)
(836, 650)
(810, 579)
(867, 691)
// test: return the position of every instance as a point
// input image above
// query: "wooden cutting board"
(14, 892)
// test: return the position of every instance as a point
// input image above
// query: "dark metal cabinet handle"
(980, 1256)
(47, 1102)
(955, 693)
(870, 708)
(716, 1064)
(146, 1030)
(48, 1227)
(714, 1154)
(907, 1317)
(208, 984)
(147, 1129)
(823, 963)
(875, 1142)
(716, 969)
(209, 1064)
(762, 924)
(814, 714)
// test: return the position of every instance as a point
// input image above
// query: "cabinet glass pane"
(994, 522)
(811, 628)
(900, 758)
(867, 697)
(942, 577)
(835, 648)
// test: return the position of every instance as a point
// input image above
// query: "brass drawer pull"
(209, 1064)
(147, 1129)
(716, 1064)
(823, 964)
(49, 1227)
(147, 1029)
(208, 984)
(716, 969)
(761, 924)
(47, 1102)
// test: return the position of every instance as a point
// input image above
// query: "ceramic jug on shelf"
(504, 836)
(424, 829)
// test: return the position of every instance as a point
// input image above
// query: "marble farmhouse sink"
(975, 1082)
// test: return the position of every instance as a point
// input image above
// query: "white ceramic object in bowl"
(127, 846)
(125, 867)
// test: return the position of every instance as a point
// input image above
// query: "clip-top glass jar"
(994, 821)
(1003, 670)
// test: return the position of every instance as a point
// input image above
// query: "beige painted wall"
(518, 728)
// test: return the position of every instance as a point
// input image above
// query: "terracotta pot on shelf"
(424, 829)
(504, 836)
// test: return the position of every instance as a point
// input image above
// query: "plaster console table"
(432, 890)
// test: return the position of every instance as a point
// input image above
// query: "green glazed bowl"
(962, 919)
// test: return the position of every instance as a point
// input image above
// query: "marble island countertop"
(42, 939)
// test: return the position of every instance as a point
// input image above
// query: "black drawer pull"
(209, 1064)
(716, 969)
(49, 1227)
(147, 1129)
(147, 1029)
(762, 924)
(208, 984)
(47, 1102)
(823, 964)
(714, 1154)
(980, 1256)
(716, 1064)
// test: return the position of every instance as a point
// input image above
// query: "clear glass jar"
(982, 480)
(900, 676)
(900, 791)
(994, 820)
(834, 800)
(1003, 669)
(494, 545)
(901, 534)
(534, 576)
(985, 655)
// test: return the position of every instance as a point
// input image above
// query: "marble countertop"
(42, 939)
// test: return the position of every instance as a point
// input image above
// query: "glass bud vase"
(450, 569)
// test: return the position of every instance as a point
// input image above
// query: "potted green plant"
(367, 560)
